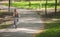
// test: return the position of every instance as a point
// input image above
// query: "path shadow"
(15, 34)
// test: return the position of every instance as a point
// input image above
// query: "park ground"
(51, 22)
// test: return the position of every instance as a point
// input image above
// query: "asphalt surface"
(29, 24)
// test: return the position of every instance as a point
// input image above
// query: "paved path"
(29, 24)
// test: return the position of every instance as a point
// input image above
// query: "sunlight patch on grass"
(34, 4)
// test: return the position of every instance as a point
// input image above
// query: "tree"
(9, 5)
(40, 4)
(46, 8)
(55, 7)
(59, 1)
(29, 3)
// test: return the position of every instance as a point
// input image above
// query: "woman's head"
(14, 10)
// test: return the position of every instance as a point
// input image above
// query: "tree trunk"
(29, 3)
(59, 2)
(46, 8)
(9, 5)
(40, 4)
(55, 7)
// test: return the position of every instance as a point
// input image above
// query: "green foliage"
(35, 4)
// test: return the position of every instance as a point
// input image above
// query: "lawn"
(34, 4)
(52, 29)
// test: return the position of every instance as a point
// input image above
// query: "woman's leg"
(15, 22)
(17, 19)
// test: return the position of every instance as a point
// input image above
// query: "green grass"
(4, 26)
(34, 4)
(51, 29)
